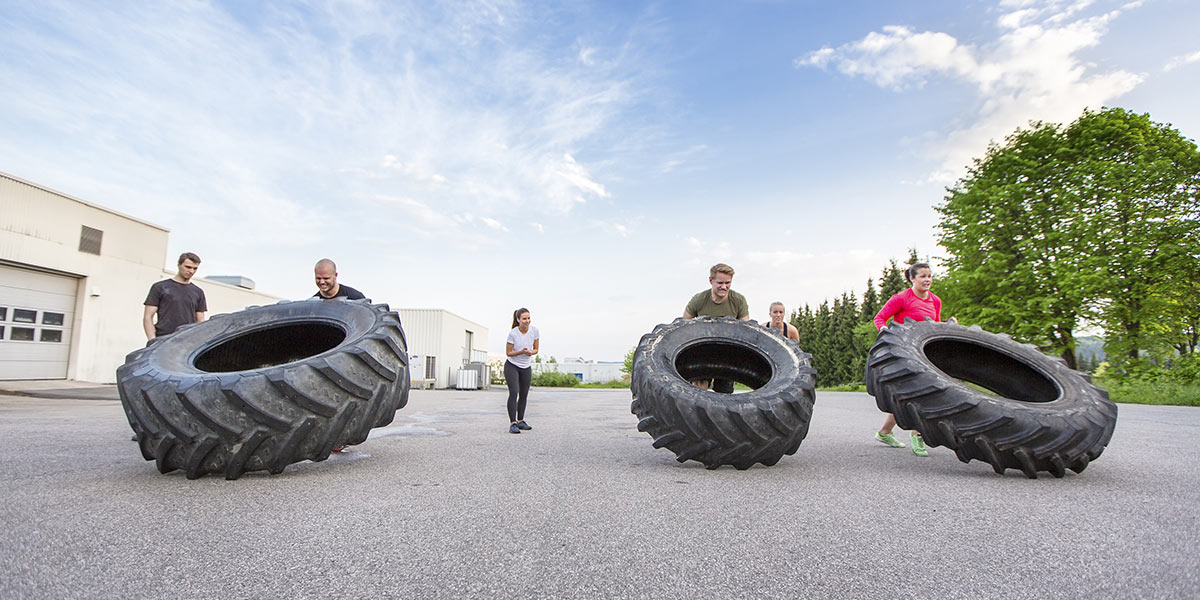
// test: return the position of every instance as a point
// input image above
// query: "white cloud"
(538, 227)
(425, 216)
(614, 227)
(779, 259)
(1179, 61)
(449, 109)
(577, 177)
(1031, 71)
(493, 224)
(683, 158)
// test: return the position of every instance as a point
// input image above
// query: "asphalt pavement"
(445, 503)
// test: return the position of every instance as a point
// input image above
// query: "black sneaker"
(522, 425)
(514, 429)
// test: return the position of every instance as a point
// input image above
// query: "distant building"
(440, 344)
(73, 277)
(586, 371)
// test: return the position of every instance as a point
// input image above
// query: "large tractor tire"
(266, 387)
(1025, 410)
(759, 426)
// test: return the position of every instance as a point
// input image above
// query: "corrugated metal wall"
(422, 329)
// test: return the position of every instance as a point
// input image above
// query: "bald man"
(328, 287)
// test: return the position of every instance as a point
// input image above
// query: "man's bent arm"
(200, 317)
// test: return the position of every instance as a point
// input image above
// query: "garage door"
(36, 312)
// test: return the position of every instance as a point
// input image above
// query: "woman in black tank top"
(778, 311)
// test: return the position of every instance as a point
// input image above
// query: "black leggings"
(518, 389)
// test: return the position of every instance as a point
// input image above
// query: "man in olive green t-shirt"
(720, 301)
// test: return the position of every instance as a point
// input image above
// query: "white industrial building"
(73, 277)
(440, 344)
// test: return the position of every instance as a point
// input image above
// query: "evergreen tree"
(870, 303)
(891, 283)
(913, 258)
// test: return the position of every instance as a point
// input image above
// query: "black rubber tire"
(1042, 417)
(760, 426)
(265, 387)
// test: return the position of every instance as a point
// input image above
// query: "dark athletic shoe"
(522, 425)
(514, 429)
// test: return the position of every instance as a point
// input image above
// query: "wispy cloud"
(493, 224)
(448, 109)
(1031, 71)
(1180, 61)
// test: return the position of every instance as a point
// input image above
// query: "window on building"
(430, 367)
(49, 318)
(1, 332)
(52, 335)
(21, 334)
(21, 315)
(90, 240)
(3, 313)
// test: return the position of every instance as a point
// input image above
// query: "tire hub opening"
(990, 369)
(724, 360)
(270, 347)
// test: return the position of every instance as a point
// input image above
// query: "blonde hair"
(720, 268)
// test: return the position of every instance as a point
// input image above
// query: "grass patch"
(607, 385)
(1134, 391)
(845, 387)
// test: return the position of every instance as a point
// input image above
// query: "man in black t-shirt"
(328, 287)
(175, 301)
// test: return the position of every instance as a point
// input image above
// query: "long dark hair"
(912, 271)
(517, 315)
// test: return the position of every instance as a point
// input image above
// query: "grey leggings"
(518, 380)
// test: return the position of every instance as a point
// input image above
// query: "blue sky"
(588, 160)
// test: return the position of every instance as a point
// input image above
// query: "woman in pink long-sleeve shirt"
(914, 304)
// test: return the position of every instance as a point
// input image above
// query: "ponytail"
(517, 315)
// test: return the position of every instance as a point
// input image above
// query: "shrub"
(555, 379)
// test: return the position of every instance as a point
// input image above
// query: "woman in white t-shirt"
(522, 344)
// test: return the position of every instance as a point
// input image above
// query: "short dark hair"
(911, 272)
(188, 256)
(517, 315)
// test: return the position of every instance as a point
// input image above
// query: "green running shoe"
(918, 445)
(889, 439)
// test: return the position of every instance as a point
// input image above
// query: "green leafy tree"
(1093, 222)
(1140, 181)
(627, 368)
(1012, 230)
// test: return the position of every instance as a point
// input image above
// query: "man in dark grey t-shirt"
(175, 301)
(328, 287)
